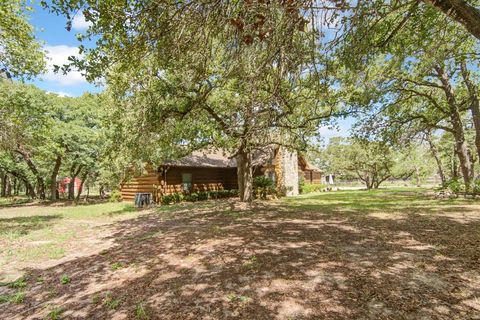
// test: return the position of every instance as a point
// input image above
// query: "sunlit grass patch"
(385, 201)
(9, 201)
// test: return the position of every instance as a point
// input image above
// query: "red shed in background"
(63, 184)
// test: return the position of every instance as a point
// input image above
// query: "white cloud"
(79, 23)
(58, 55)
(60, 93)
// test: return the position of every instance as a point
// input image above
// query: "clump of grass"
(96, 298)
(17, 297)
(4, 298)
(117, 265)
(110, 302)
(40, 280)
(141, 312)
(237, 298)
(252, 263)
(64, 279)
(55, 313)
(18, 284)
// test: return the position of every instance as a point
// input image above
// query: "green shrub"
(454, 185)
(192, 197)
(476, 186)
(115, 196)
(167, 199)
(311, 187)
(198, 196)
(301, 183)
(177, 197)
(203, 196)
(223, 194)
(263, 186)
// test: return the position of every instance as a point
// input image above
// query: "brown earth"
(271, 261)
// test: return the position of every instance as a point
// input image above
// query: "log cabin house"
(209, 170)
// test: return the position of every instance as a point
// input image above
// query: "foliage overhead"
(21, 53)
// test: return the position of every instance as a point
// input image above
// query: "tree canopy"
(21, 53)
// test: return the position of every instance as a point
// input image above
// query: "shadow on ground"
(25, 225)
(273, 262)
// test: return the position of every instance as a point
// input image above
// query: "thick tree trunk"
(3, 177)
(53, 183)
(474, 105)
(460, 11)
(80, 188)
(462, 152)
(71, 185)
(29, 190)
(368, 182)
(434, 151)
(454, 164)
(457, 125)
(245, 176)
(15, 186)
(8, 186)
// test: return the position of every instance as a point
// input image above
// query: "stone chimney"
(286, 170)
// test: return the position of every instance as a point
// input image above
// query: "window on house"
(186, 182)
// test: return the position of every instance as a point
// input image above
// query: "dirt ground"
(341, 255)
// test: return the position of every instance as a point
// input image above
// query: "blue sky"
(60, 44)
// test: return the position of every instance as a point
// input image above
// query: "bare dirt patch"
(272, 261)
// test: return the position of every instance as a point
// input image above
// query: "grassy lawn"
(11, 201)
(384, 254)
(41, 235)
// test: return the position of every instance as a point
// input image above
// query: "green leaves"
(21, 54)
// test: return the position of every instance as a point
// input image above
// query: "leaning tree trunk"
(71, 185)
(40, 183)
(457, 125)
(53, 184)
(474, 105)
(462, 150)
(245, 176)
(29, 190)
(80, 188)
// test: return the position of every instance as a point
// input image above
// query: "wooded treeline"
(420, 85)
(45, 137)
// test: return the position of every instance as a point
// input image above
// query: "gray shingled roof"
(204, 158)
(216, 158)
